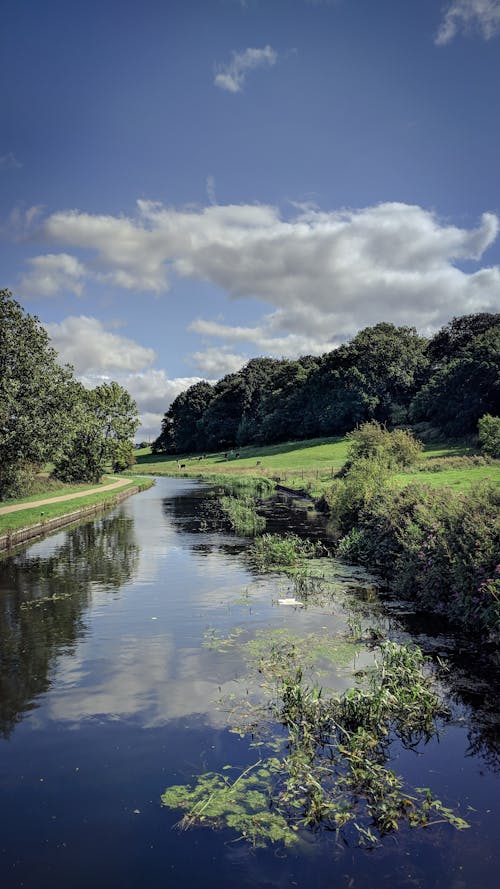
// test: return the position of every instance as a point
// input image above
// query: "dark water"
(108, 695)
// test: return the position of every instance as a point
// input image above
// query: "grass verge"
(28, 517)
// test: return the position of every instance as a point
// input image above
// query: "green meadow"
(312, 464)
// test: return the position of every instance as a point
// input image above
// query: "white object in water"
(290, 601)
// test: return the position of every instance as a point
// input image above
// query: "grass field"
(311, 464)
(31, 516)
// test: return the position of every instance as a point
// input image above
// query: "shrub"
(437, 547)
(398, 448)
(489, 435)
(16, 479)
(349, 495)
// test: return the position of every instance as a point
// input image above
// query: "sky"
(187, 184)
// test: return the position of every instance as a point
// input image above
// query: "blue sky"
(185, 184)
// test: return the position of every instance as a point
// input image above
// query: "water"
(109, 693)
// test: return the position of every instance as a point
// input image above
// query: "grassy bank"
(46, 487)
(314, 463)
(33, 515)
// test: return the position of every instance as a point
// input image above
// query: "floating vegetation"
(216, 642)
(45, 600)
(328, 765)
(242, 804)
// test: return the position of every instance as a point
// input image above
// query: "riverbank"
(23, 521)
(312, 465)
(427, 524)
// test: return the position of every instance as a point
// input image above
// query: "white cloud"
(154, 391)
(323, 274)
(98, 356)
(470, 15)
(85, 343)
(52, 273)
(231, 77)
(129, 254)
(263, 339)
(216, 362)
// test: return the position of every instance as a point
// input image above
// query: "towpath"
(16, 507)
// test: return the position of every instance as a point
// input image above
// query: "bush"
(349, 496)
(16, 479)
(439, 548)
(489, 435)
(398, 448)
(123, 456)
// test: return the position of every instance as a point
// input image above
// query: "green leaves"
(333, 769)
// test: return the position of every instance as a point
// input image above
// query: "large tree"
(180, 425)
(461, 390)
(36, 397)
(105, 421)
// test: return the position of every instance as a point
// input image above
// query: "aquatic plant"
(282, 551)
(333, 769)
(242, 515)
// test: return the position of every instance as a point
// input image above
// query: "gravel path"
(16, 507)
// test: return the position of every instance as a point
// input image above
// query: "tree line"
(47, 415)
(386, 373)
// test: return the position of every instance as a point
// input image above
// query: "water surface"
(110, 691)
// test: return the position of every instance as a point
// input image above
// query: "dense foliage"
(46, 415)
(386, 373)
(434, 546)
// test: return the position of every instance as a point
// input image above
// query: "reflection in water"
(474, 676)
(132, 695)
(43, 599)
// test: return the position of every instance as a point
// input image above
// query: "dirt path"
(18, 506)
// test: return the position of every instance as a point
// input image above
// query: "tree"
(460, 391)
(180, 425)
(489, 435)
(36, 397)
(455, 336)
(105, 422)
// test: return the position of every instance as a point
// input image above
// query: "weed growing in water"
(287, 551)
(333, 772)
(242, 515)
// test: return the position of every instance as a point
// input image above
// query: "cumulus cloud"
(52, 273)
(154, 391)
(216, 361)
(231, 77)
(99, 355)
(481, 16)
(323, 274)
(85, 343)
(263, 339)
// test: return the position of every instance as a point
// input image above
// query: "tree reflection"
(43, 600)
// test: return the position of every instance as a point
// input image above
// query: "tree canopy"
(47, 415)
(385, 373)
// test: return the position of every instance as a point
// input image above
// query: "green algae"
(242, 805)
